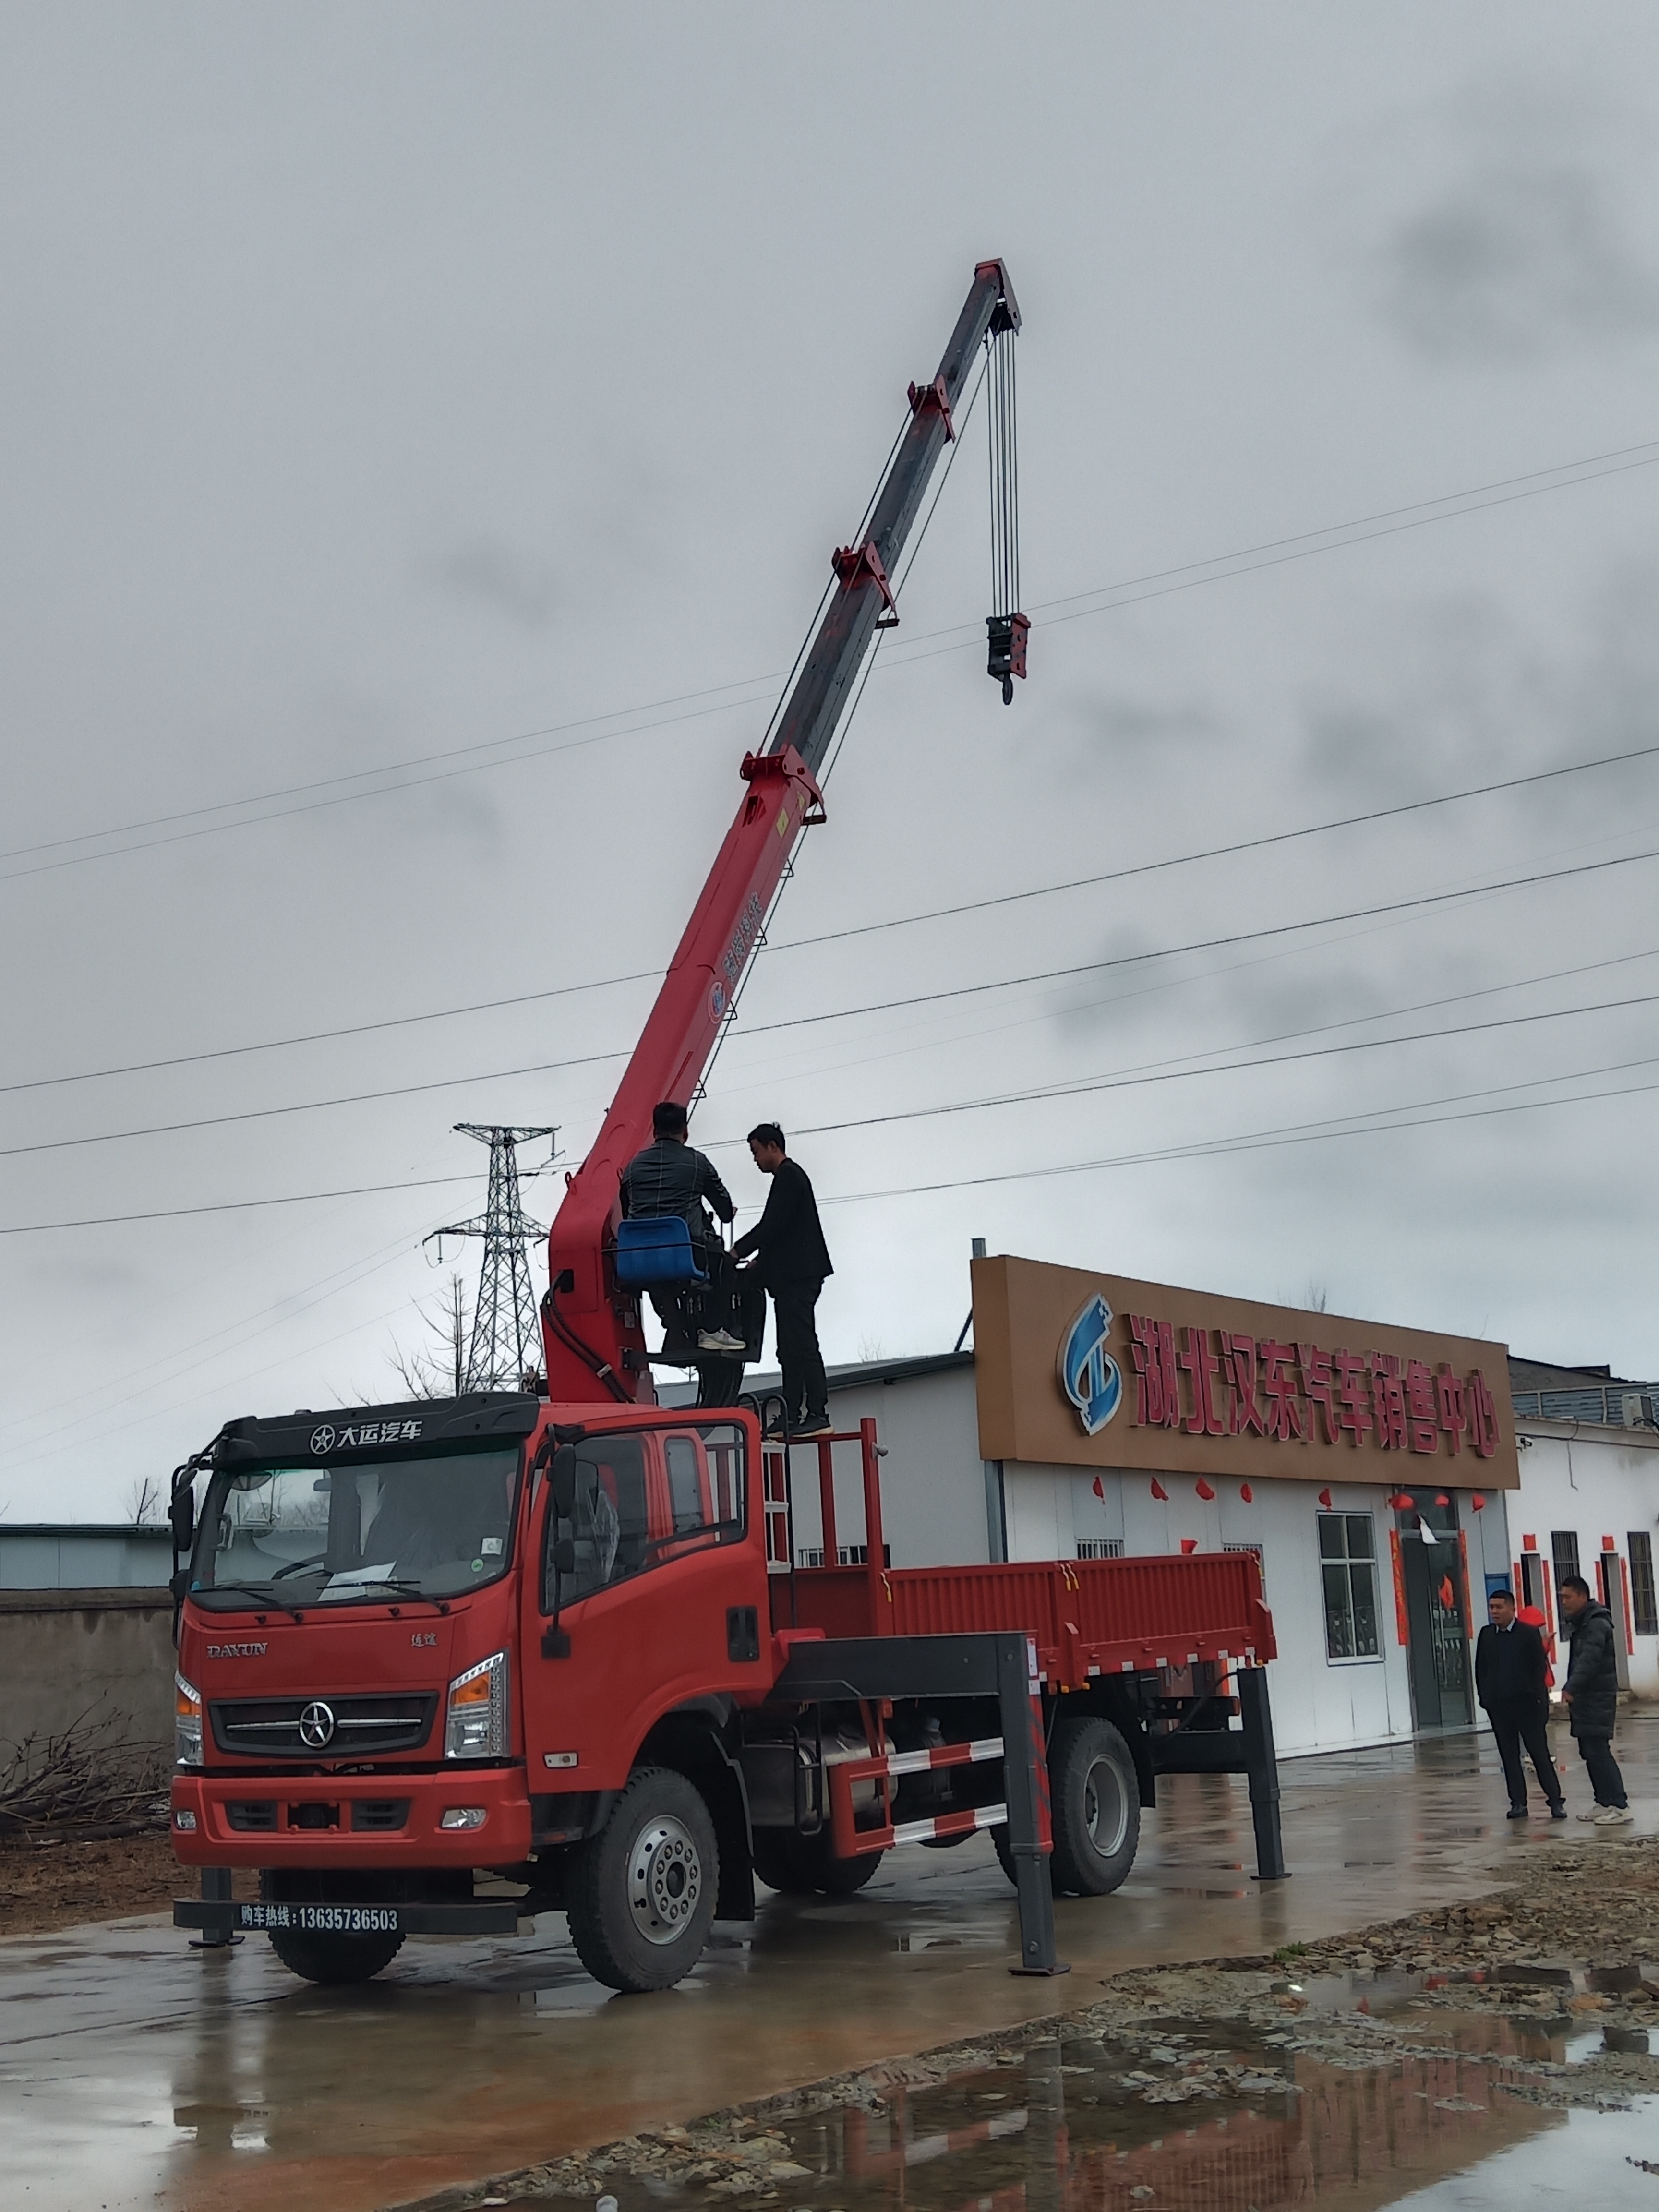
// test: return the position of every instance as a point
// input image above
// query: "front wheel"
(333, 1961)
(642, 1895)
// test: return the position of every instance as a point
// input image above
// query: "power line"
(1130, 1080)
(1216, 851)
(801, 1021)
(829, 936)
(326, 1036)
(226, 1205)
(1268, 1139)
(1446, 507)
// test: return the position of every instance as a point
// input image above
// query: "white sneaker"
(1593, 1813)
(1615, 1816)
(718, 1339)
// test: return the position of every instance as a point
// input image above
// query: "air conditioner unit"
(1634, 1411)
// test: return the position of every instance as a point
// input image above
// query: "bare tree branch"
(441, 1371)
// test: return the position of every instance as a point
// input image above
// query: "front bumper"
(498, 1916)
(339, 1819)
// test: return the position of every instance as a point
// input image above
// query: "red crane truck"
(445, 1664)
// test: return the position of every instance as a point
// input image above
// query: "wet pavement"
(135, 2072)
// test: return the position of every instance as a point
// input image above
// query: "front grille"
(269, 1727)
(251, 1815)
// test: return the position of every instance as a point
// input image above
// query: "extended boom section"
(593, 1338)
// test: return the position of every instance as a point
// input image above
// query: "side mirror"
(182, 1517)
(561, 1481)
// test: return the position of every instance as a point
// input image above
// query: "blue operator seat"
(655, 1252)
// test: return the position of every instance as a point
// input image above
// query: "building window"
(1563, 1542)
(1532, 1581)
(1347, 1567)
(847, 1555)
(1100, 1548)
(1260, 1563)
(1645, 1614)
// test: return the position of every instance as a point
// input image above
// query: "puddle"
(1204, 2114)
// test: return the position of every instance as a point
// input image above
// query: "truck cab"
(424, 1639)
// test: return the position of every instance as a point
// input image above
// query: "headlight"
(186, 1724)
(475, 1726)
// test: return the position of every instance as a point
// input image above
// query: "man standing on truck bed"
(793, 1263)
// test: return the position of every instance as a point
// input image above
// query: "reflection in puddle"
(1204, 2115)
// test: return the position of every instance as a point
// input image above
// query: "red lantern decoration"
(1478, 1502)
(1247, 1493)
(1159, 1492)
(1190, 1543)
(1325, 1500)
(1443, 1499)
(1204, 1489)
(1100, 1488)
(1402, 1501)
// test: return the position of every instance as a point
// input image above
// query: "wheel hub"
(1105, 1808)
(665, 1879)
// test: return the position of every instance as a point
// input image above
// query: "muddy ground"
(1573, 1946)
(47, 1885)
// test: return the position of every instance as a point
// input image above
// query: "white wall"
(1319, 1703)
(932, 1480)
(933, 1496)
(1597, 1483)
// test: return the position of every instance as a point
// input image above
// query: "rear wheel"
(1094, 1796)
(806, 1866)
(334, 1960)
(642, 1895)
(1096, 1808)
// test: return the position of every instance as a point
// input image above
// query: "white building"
(1587, 1503)
(1377, 1582)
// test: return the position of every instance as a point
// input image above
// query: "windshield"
(432, 1527)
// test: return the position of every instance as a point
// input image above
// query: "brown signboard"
(1096, 1370)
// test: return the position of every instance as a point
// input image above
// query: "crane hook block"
(1006, 657)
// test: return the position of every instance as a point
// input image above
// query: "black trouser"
(805, 1389)
(1517, 1722)
(719, 1375)
(1605, 1779)
(683, 1312)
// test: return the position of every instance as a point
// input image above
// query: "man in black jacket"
(1591, 1694)
(1510, 1667)
(793, 1263)
(668, 1177)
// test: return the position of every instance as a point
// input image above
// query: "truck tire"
(334, 1960)
(806, 1866)
(641, 1894)
(1096, 1800)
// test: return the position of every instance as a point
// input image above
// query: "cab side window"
(611, 1529)
(643, 1499)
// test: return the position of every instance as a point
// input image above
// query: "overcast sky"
(486, 389)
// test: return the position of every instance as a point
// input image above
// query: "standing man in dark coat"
(1510, 1666)
(794, 1261)
(1591, 1694)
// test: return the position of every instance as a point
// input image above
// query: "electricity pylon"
(506, 1344)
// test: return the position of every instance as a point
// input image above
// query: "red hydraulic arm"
(594, 1343)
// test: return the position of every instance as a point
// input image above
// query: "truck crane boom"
(593, 1336)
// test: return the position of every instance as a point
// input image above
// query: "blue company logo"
(1088, 1373)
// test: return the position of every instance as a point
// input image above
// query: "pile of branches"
(92, 1780)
